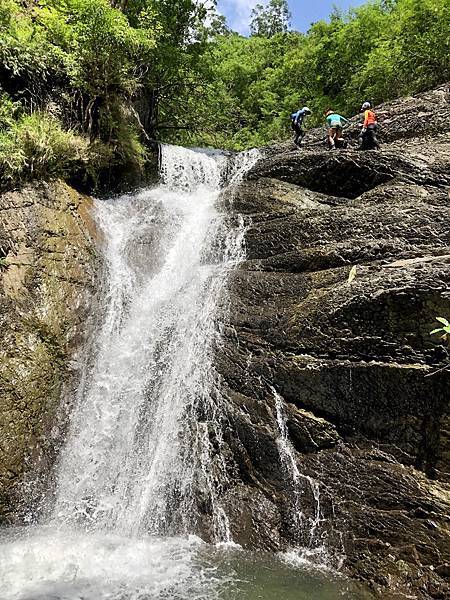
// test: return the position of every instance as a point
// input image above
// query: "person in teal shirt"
(335, 124)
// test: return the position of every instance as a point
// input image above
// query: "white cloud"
(238, 13)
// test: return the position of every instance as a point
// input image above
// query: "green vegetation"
(380, 51)
(72, 73)
(270, 19)
(37, 146)
(87, 84)
(444, 330)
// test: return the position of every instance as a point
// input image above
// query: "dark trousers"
(299, 133)
(368, 140)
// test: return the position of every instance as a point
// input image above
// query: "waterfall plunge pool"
(49, 564)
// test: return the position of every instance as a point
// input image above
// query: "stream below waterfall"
(121, 519)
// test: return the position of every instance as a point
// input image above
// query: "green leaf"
(435, 331)
(443, 321)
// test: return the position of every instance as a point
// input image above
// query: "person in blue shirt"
(335, 124)
(297, 119)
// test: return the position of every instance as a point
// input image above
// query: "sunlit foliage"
(86, 85)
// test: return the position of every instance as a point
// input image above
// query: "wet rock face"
(47, 279)
(363, 385)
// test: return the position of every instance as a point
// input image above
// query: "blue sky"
(304, 12)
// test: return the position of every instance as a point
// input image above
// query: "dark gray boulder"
(364, 388)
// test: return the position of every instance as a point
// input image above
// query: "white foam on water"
(69, 565)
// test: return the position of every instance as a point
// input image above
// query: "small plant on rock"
(444, 330)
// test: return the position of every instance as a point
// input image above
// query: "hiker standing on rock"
(335, 124)
(368, 136)
(297, 119)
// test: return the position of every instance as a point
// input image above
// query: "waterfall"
(309, 539)
(144, 457)
(136, 446)
(143, 448)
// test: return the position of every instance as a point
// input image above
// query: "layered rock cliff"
(336, 428)
(363, 386)
(48, 268)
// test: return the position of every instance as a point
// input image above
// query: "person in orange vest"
(368, 135)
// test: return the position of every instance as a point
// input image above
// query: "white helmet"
(365, 106)
(306, 110)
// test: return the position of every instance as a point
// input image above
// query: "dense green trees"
(86, 84)
(271, 19)
(72, 73)
(379, 51)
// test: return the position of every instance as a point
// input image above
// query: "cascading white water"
(314, 550)
(139, 448)
(131, 456)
